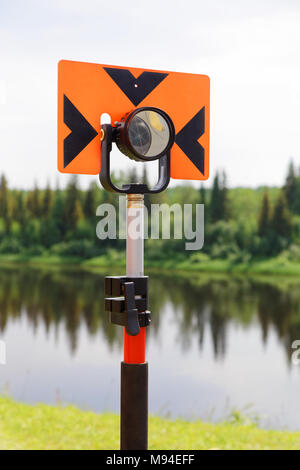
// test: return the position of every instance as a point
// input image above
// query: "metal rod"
(135, 235)
(134, 369)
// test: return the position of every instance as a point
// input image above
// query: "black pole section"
(134, 406)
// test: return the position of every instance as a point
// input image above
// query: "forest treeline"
(241, 224)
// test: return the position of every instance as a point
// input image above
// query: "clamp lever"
(132, 327)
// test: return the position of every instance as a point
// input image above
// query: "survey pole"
(134, 346)
(134, 369)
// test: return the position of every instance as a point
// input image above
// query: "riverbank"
(195, 263)
(57, 427)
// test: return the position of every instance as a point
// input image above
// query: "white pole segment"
(135, 235)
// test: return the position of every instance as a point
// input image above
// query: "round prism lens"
(149, 133)
(139, 135)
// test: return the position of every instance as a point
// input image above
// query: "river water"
(216, 343)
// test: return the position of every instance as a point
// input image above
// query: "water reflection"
(217, 302)
(199, 303)
(54, 297)
(213, 341)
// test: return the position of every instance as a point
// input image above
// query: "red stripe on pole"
(135, 347)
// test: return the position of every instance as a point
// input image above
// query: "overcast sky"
(249, 48)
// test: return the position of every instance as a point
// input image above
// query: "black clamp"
(126, 301)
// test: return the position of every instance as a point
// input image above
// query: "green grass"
(50, 259)
(56, 427)
(277, 266)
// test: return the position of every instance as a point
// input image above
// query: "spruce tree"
(281, 219)
(89, 206)
(70, 209)
(219, 203)
(202, 195)
(47, 201)
(21, 215)
(224, 198)
(290, 187)
(36, 206)
(58, 216)
(3, 197)
(214, 207)
(77, 214)
(264, 216)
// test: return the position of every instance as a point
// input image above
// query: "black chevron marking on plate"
(136, 89)
(82, 133)
(187, 139)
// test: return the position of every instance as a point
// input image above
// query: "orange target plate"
(86, 91)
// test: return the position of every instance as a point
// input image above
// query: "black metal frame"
(108, 133)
